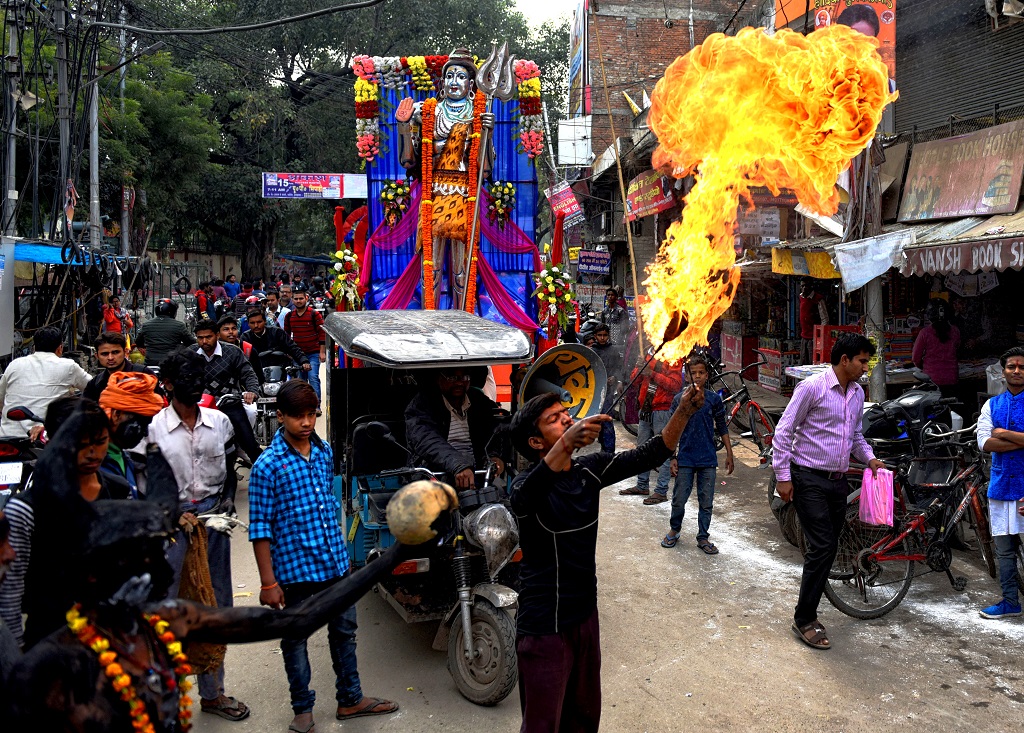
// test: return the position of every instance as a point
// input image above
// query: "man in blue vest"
(1001, 433)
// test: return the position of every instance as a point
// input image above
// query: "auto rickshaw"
(378, 361)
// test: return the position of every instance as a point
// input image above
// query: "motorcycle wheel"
(492, 674)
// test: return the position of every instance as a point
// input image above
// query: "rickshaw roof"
(412, 339)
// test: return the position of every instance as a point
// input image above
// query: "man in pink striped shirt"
(819, 430)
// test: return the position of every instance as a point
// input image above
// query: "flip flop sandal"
(371, 708)
(655, 498)
(634, 491)
(308, 729)
(818, 641)
(708, 547)
(231, 710)
(670, 541)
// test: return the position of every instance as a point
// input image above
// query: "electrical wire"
(239, 28)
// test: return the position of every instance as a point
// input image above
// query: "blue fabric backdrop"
(509, 165)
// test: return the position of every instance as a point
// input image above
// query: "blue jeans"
(648, 428)
(218, 553)
(1006, 554)
(313, 375)
(341, 638)
(705, 498)
(607, 436)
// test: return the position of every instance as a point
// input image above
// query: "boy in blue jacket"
(697, 460)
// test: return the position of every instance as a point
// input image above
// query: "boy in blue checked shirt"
(300, 550)
(697, 459)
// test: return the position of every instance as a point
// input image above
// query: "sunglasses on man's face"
(455, 377)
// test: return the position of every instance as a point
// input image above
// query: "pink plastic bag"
(876, 497)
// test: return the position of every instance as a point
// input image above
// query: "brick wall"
(639, 39)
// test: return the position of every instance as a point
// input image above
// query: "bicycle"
(740, 407)
(874, 565)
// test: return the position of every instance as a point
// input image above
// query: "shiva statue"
(450, 167)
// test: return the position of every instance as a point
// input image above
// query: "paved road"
(693, 642)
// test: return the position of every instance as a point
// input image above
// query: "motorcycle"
(18, 456)
(274, 377)
(896, 427)
(322, 304)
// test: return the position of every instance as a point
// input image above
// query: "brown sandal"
(634, 491)
(817, 640)
(368, 706)
(656, 498)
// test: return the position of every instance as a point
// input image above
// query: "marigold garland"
(473, 169)
(531, 124)
(427, 204)
(121, 681)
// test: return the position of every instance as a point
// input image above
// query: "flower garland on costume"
(122, 682)
(427, 203)
(555, 293)
(473, 169)
(394, 197)
(345, 287)
(367, 111)
(501, 202)
(531, 121)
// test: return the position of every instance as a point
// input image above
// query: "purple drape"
(511, 239)
(505, 303)
(387, 238)
(404, 287)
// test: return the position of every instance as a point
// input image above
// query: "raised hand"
(404, 112)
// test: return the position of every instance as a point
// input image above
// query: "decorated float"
(449, 144)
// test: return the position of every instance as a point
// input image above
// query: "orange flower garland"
(479, 106)
(122, 682)
(427, 203)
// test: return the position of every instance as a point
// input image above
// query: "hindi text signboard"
(314, 186)
(592, 262)
(648, 194)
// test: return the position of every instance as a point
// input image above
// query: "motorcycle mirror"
(22, 413)
(380, 431)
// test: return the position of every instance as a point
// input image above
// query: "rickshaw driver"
(448, 425)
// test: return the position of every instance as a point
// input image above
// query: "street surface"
(691, 642)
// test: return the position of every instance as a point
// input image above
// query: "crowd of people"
(135, 423)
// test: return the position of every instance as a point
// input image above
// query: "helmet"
(252, 300)
(166, 307)
(318, 281)
(588, 328)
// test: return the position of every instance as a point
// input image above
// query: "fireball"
(783, 111)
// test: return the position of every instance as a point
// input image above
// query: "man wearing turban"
(130, 401)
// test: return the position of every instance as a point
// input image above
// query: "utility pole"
(125, 249)
(60, 15)
(10, 185)
(95, 225)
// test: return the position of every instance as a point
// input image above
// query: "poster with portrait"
(876, 18)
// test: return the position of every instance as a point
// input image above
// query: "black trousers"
(244, 437)
(560, 680)
(821, 505)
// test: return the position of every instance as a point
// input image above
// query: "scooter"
(18, 456)
(896, 427)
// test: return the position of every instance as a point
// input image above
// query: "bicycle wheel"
(631, 427)
(762, 427)
(865, 588)
(979, 520)
(739, 421)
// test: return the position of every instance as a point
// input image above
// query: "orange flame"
(783, 111)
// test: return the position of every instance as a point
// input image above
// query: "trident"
(495, 78)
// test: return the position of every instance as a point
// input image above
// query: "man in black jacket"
(448, 427)
(558, 639)
(229, 372)
(110, 353)
(265, 340)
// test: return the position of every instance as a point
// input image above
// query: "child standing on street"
(300, 551)
(697, 460)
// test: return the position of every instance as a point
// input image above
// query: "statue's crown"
(461, 57)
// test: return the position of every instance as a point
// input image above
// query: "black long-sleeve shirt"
(273, 339)
(558, 533)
